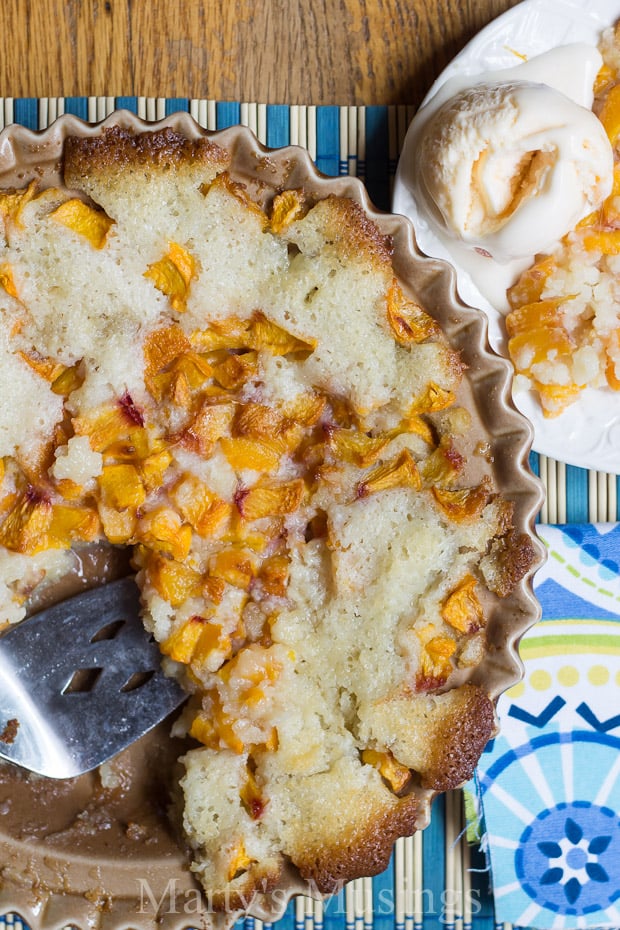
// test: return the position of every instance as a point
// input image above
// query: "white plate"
(588, 433)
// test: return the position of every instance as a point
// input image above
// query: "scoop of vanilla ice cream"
(509, 168)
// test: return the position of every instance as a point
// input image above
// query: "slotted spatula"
(79, 682)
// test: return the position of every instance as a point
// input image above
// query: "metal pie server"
(80, 681)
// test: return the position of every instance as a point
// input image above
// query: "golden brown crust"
(509, 560)
(466, 729)
(118, 149)
(363, 850)
(351, 228)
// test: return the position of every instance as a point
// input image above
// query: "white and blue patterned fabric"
(549, 784)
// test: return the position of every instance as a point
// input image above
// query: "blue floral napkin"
(549, 785)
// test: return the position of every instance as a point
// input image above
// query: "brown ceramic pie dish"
(78, 853)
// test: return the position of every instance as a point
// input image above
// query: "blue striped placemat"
(436, 880)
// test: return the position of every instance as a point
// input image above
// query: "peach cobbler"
(564, 327)
(250, 399)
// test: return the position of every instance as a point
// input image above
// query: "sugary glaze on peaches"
(250, 399)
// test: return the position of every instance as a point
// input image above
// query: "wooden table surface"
(268, 51)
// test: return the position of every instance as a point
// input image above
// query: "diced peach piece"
(400, 472)
(26, 526)
(610, 114)
(251, 797)
(268, 500)
(172, 275)
(236, 370)
(210, 424)
(199, 506)
(195, 641)
(394, 772)
(259, 421)
(440, 647)
(46, 368)
(216, 733)
(592, 219)
(463, 504)
(305, 409)
(532, 316)
(133, 445)
(239, 861)
(286, 208)
(433, 398)
(214, 727)
(606, 241)
(357, 448)
(182, 642)
(67, 381)
(435, 658)
(462, 608)
(7, 280)
(212, 640)
(162, 529)
(443, 466)
(118, 525)
(231, 333)
(257, 333)
(539, 343)
(161, 347)
(159, 384)
(172, 580)
(255, 454)
(153, 468)
(184, 260)
(121, 487)
(178, 389)
(278, 341)
(555, 398)
(203, 730)
(105, 426)
(274, 574)
(417, 425)
(70, 524)
(255, 665)
(237, 567)
(238, 532)
(69, 490)
(87, 221)
(438, 652)
(605, 76)
(408, 321)
(193, 367)
(12, 202)
(213, 589)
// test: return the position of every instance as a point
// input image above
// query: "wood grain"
(271, 51)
